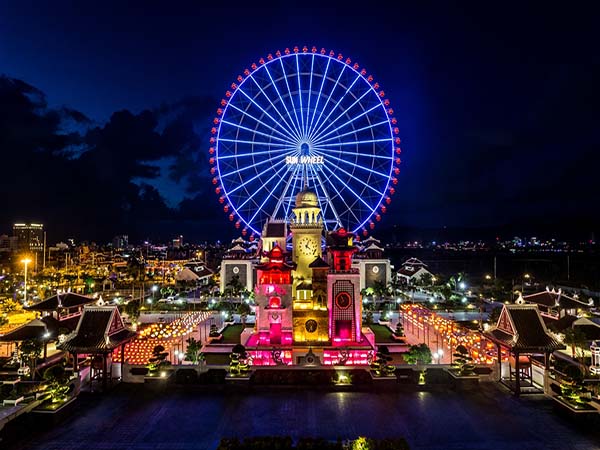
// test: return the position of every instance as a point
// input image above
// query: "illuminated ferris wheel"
(305, 118)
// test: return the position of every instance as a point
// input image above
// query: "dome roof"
(307, 199)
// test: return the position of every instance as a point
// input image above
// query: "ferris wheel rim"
(319, 130)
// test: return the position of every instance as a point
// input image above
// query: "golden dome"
(307, 199)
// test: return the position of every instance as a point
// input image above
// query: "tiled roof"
(68, 300)
(318, 263)
(560, 324)
(528, 334)
(34, 330)
(100, 329)
(553, 299)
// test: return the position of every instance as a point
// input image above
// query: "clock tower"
(307, 229)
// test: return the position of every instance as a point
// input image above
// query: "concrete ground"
(135, 418)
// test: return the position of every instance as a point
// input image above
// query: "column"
(499, 362)
(517, 375)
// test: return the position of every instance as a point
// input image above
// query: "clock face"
(311, 325)
(343, 300)
(307, 246)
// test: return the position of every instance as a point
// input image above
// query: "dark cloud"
(94, 182)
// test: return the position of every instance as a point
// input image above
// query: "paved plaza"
(135, 418)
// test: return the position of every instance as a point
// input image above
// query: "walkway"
(135, 418)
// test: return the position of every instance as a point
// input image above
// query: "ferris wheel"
(305, 118)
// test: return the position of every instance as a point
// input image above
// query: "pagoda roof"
(319, 263)
(34, 330)
(67, 300)
(552, 298)
(341, 240)
(522, 329)
(100, 330)
(276, 261)
(414, 262)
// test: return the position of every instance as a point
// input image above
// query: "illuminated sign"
(305, 159)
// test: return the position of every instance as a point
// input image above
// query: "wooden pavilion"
(100, 331)
(522, 333)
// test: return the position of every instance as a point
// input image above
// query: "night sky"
(105, 110)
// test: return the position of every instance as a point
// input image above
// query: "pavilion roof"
(552, 298)
(522, 329)
(100, 330)
(67, 300)
(34, 330)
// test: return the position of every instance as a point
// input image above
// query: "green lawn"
(231, 334)
(383, 335)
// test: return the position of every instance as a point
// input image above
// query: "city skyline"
(495, 114)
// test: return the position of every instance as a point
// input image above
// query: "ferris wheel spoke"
(343, 152)
(241, 127)
(324, 121)
(281, 199)
(289, 130)
(287, 136)
(312, 65)
(238, 187)
(366, 141)
(264, 186)
(347, 186)
(290, 96)
(310, 125)
(249, 166)
(348, 208)
(289, 204)
(358, 166)
(291, 123)
(368, 127)
(300, 97)
(276, 173)
(253, 143)
(326, 194)
(364, 113)
(318, 121)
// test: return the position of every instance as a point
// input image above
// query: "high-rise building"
(120, 242)
(30, 237)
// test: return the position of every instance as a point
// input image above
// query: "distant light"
(462, 285)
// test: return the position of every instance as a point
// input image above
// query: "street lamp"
(154, 289)
(525, 277)
(25, 261)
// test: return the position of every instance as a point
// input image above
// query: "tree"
(399, 329)
(30, 351)
(235, 286)
(495, 315)
(193, 352)
(418, 354)
(238, 364)
(463, 361)
(158, 359)
(243, 310)
(58, 382)
(426, 279)
(381, 365)
(380, 289)
(577, 340)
